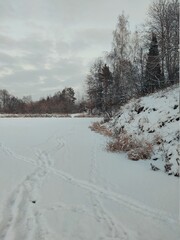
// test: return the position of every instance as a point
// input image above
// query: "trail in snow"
(21, 216)
(44, 162)
(113, 228)
(22, 219)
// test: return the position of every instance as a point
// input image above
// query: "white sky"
(46, 45)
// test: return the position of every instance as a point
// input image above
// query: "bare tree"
(121, 62)
(138, 59)
(164, 22)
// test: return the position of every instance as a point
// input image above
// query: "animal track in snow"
(113, 229)
(21, 218)
(104, 193)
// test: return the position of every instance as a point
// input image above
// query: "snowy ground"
(57, 182)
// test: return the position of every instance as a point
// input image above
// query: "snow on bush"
(121, 143)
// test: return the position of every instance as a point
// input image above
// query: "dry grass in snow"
(99, 128)
(135, 149)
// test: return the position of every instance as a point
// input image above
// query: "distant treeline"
(139, 63)
(60, 102)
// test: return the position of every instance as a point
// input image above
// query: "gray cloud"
(42, 80)
(46, 45)
(6, 59)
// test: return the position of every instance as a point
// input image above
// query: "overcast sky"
(46, 45)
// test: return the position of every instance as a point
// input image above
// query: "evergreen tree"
(107, 90)
(153, 76)
(68, 99)
(95, 87)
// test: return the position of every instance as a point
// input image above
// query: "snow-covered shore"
(155, 119)
(35, 115)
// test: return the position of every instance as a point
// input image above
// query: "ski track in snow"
(107, 194)
(116, 197)
(22, 219)
(114, 230)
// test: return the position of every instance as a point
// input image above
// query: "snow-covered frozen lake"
(57, 182)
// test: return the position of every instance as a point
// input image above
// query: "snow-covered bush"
(122, 143)
(143, 151)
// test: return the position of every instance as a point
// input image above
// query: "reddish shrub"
(97, 127)
(136, 149)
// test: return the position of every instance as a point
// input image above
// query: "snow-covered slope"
(154, 118)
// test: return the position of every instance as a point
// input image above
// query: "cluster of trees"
(60, 102)
(9, 103)
(139, 63)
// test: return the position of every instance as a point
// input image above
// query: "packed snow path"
(58, 182)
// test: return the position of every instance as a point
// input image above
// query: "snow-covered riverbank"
(153, 119)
